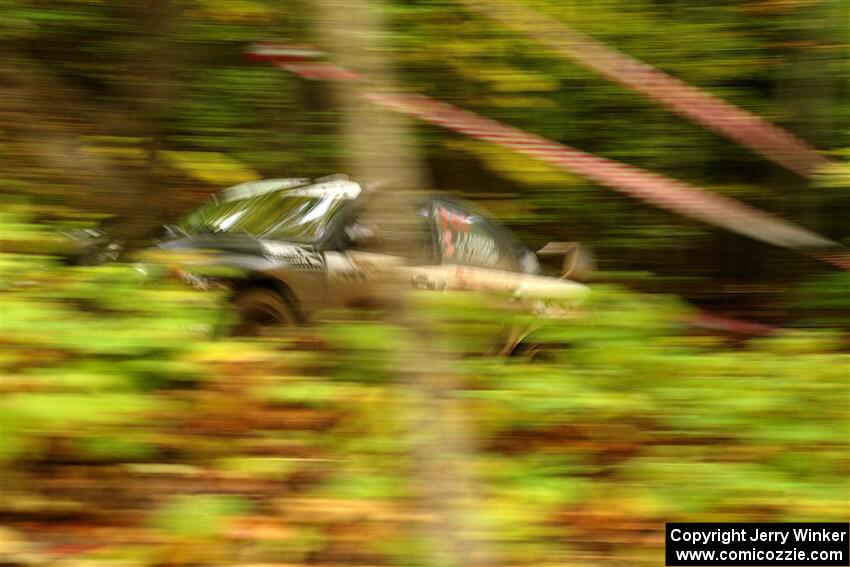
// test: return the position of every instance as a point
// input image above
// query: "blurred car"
(302, 246)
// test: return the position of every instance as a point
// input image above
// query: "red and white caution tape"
(664, 192)
(299, 60)
(282, 51)
(723, 324)
(737, 124)
(319, 71)
(671, 194)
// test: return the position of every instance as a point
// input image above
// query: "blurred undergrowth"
(130, 435)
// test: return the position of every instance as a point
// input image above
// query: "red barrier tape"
(737, 124)
(664, 192)
(673, 195)
(729, 325)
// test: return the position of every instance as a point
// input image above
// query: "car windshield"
(280, 215)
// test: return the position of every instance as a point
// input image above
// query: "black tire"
(262, 310)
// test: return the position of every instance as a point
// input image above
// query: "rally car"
(303, 245)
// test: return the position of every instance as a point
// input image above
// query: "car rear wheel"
(538, 353)
(261, 311)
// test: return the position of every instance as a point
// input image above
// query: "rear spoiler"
(578, 263)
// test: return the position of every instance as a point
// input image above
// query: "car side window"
(469, 239)
(214, 216)
(359, 233)
(275, 215)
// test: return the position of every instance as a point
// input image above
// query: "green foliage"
(824, 300)
(625, 423)
(119, 406)
(197, 515)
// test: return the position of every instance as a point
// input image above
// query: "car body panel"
(461, 247)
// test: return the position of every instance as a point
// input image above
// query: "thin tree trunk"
(380, 147)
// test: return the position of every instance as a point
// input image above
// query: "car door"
(246, 234)
(355, 264)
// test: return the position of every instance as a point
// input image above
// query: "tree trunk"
(380, 147)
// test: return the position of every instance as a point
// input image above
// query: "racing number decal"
(467, 241)
(452, 222)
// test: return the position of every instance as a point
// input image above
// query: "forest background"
(128, 436)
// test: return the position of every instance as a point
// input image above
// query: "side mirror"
(578, 262)
(361, 235)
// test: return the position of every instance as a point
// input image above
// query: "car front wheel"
(260, 311)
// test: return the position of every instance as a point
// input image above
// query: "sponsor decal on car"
(341, 268)
(462, 244)
(296, 256)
